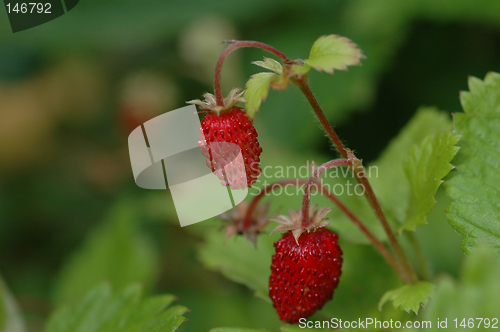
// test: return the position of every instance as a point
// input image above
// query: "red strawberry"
(304, 271)
(229, 124)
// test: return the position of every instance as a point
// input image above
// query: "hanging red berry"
(229, 124)
(306, 269)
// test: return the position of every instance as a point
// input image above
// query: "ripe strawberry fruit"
(304, 276)
(229, 124)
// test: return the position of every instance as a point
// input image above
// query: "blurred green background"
(71, 90)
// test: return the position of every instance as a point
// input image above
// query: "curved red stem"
(235, 45)
(248, 216)
(376, 243)
(316, 174)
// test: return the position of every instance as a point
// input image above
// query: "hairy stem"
(376, 243)
(301, 83)
(307, 192)
(304, 87)
(233, 46)
(372, 199)
(360, 178)
(305, 213)
(248, 216)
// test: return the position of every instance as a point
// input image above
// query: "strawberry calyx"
(293, 222)
(235, 221)
(210, 102)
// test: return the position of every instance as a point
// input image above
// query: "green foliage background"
(72, 218)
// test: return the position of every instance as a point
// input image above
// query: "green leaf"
(256, 90)
(475, 294)
(236, 329)
(10, 318)
(101, 311)
(390, 184)
(116, 252)
(475, 211)
(388, 179)
(409, 297)
(239, 260)
(428, 163)
(270, 64)
(333, 52)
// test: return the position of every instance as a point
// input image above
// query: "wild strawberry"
(306, 269)
(229, 124)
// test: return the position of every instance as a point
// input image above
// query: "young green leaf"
(270, 64)
(327, 53)
(474, 188)
(10, 318)
(409, 297)
(333, 52)
(257, 88)
(101, 311)
(428, 163)
(116, 252)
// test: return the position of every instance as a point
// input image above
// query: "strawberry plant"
(306, 266)
(325, 240)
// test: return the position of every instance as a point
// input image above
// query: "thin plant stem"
(360, 178)
(306, 90)
(301, 83)
(234, 46)
(307, 192)
(376, 243)
(305, 213)
(372, 199)
(253, 204)
(426, 269)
